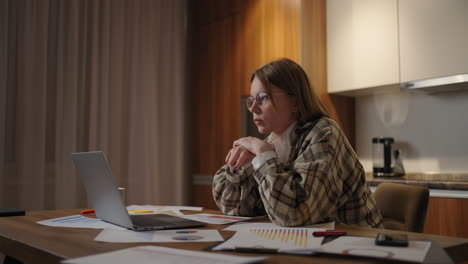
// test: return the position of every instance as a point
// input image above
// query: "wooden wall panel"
(447, 217)
(282, 29)
(215, 71)
(205, 12)
(253, 41)
(270, 30)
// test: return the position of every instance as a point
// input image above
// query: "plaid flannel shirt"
(322, 181)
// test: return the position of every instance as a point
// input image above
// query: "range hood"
(454, 80)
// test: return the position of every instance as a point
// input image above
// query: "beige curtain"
(81, 75)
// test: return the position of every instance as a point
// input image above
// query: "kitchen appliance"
(386, 163)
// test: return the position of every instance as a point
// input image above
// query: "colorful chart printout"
(281, 239)
(298, 237)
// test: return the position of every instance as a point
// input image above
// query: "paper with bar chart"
(282, 239)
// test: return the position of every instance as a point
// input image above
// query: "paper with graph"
(282, 239)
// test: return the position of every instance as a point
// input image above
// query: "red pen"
(89, 211)
(329, 233)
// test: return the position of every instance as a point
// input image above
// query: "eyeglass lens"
(260, 98)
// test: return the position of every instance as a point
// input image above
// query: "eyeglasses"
(260, 98)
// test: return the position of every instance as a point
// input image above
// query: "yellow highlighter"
(140, 211)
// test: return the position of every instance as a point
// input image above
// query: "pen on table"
(329, 233)
(89, 211)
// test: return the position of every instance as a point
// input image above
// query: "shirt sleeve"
(318, 183)
(261, 159)
(237, 194)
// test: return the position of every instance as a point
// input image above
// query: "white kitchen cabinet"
(433, 38)
(362, 44)
(379, 44)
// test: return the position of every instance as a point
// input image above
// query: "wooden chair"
(403, 207)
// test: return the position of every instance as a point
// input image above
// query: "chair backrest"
(403, 207)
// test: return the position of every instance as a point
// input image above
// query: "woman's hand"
(237, 157)
(253, 145)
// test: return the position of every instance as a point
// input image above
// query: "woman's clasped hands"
(244, 150)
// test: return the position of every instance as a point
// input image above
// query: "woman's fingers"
(228, 156)
(233, 157)
(242, 142)
(238, 157)
(244, 158)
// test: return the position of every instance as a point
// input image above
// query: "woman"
(305, 172)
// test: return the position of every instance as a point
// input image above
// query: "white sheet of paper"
(176, 235)
(79, 221)
(241, 225)
(288, 240)
(161, 255)
(216, 219)
(365, 246)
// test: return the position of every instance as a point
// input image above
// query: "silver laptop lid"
(96, 176)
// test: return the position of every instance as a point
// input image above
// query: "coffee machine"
(386, 162)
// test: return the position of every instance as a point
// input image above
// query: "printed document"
(79, 221)
(161, 255)
(176, 235)
(280, 239)
(244, 225)
(365, 247)
(216, 218)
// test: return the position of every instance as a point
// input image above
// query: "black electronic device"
(396, 240)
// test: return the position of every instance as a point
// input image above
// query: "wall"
(431, 128)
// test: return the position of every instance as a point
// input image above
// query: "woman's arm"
(237, 194)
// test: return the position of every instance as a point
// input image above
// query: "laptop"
(96, 176)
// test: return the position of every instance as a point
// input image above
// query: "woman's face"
(271, 118)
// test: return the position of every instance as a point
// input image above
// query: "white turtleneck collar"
(282, 143)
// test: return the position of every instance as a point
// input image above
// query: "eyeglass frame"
(264, 96)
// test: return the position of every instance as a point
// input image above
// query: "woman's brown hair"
(292, 79)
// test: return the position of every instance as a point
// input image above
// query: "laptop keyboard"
(149, 220)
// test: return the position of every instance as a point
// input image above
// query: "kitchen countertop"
(439, 181)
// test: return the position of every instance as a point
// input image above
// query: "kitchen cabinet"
(433, 38)
(387, 42)
(447, 217)
(362, 44)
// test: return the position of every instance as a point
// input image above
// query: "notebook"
(96, 176)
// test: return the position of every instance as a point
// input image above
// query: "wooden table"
(22, 238)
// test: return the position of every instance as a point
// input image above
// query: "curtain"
(81, 75)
